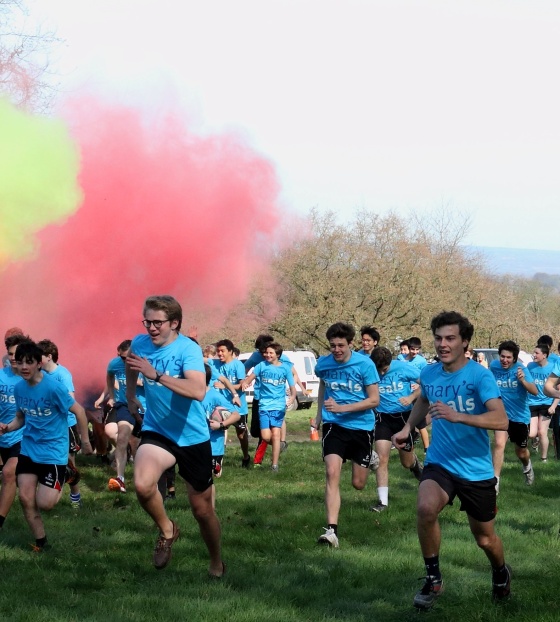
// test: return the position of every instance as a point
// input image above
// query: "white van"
(304, 361)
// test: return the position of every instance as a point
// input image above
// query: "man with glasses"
(175, 429)
(370, 340)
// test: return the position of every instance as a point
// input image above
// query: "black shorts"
(74, 442)
(255, 421)
(478, 499)
(194, 461)
(518, 433)
(422, 425)
(540, 411)
(241, 425)
(50, 475)
(388, 424)
(9, 452)
(120, 412)
(355, 445)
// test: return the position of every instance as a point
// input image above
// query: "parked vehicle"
(304, 362)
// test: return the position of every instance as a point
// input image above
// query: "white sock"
(383, 494)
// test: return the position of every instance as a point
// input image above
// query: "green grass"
(100, 565)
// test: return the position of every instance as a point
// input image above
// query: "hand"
(214, 425)
(141, 365)
(87, 449)
(400, 439)
(236, 400)
(98, 403)
(439, 410)
(192, 332)
(406, 401)
(3, 428)
(219, 385)
(332, 407)
(520, 374)
(551, 410)
(110, 402)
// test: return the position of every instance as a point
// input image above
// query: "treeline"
(395, 274)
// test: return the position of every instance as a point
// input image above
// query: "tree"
(24, 64)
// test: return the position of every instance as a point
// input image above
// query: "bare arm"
(371, 401)
(191, 385)
(247, 381)
(15, 424)
(80, 413)
(232, 389)
(320, 402)
(550, 386)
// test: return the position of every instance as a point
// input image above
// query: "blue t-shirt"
(180, 419)
(514, 394)
(257, 358)
(346, 383)
(396, 384)
(211, 401)
(402, 357)
(553, 358)
(418, 361)
(8, 381)
(272, 385)
(117, 369)
(461, 449)
(64, 376)
(540, 376)
(234, 371)
(45, 407)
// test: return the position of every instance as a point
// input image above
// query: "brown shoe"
(162, 552)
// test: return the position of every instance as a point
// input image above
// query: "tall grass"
(100, 565)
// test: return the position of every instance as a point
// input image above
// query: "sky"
(363, 104)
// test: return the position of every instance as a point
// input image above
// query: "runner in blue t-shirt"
(212, 400)
(515, 383)
(542, 406)
(414, 356)
(234, 370)
(551, 389)
(42, 405)
(272, 376)
(10, 444)
(464, 402)
(78, 432)
(348, 393)
(370, 340)
(395, 403)
(175, 429)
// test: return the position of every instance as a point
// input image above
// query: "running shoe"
(430, 592)
(274, 468)
(162, 551)
(76, 505)
(501, 591)
(529, 476)
(374, 461)
(329, 538)
(283, 446)
(416, 469)
(379, 507)
(116, 485)
(246, 462)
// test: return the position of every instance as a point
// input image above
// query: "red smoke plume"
(165, 211)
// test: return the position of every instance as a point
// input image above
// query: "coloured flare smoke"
(164, 211)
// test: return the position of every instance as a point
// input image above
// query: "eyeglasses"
(154, 323)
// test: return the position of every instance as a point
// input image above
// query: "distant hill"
(543, 265)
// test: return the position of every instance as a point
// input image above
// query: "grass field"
(99, 567)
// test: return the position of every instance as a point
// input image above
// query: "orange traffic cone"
(314, 435)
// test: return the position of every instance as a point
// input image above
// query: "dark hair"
(372, 332)
(405, 343)
(168, 305)
(450, 318)
(543, 348)
(546, 339)
(49, 347)
(414, 342)
(15, 340)
(29, 351)
(262, 341)
(226, 343)
(236, 351)
(340, 330)
(510, 346)
(124, 345)
(276, 347)
(381, 357)
(208, 371)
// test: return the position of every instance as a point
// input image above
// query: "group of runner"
(183, 402)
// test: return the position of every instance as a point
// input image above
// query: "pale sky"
(376, 104)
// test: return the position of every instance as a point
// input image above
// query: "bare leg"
(431, 501)
(333, 467)
(209, 525)
(9, 486)
(500, 439)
